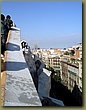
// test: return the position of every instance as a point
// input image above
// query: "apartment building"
(54, 62)
(70, 73)
(64, 72)
(73, 76)
(69, 66)
(80, 75)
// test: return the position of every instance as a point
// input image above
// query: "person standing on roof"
(3, 30)
(8, 24)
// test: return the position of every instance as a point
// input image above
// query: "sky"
(47, 24)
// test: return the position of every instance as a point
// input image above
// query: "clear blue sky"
(47, 24)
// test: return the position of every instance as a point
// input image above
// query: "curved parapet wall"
(19, 89)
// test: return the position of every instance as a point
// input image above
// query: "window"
(72, 72)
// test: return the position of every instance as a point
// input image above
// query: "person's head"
(8, 17)
(2, 17)
(37, 63)
(11, 22)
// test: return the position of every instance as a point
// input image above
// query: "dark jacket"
(3, 28)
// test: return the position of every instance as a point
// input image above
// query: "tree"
(57, 78)
(66, 53)
(73, 60)
(72, 52)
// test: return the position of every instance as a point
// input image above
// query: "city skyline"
(47, 24)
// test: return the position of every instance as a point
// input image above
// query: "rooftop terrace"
(19, 87)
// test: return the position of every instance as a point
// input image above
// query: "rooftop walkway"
(19, 88)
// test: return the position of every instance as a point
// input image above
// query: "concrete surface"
(19, 89)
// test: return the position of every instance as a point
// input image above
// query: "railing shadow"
(15, 66)
(13, 47)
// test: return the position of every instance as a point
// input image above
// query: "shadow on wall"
(13, 47)
(61, 92)
(15, 66)
(14, 29)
